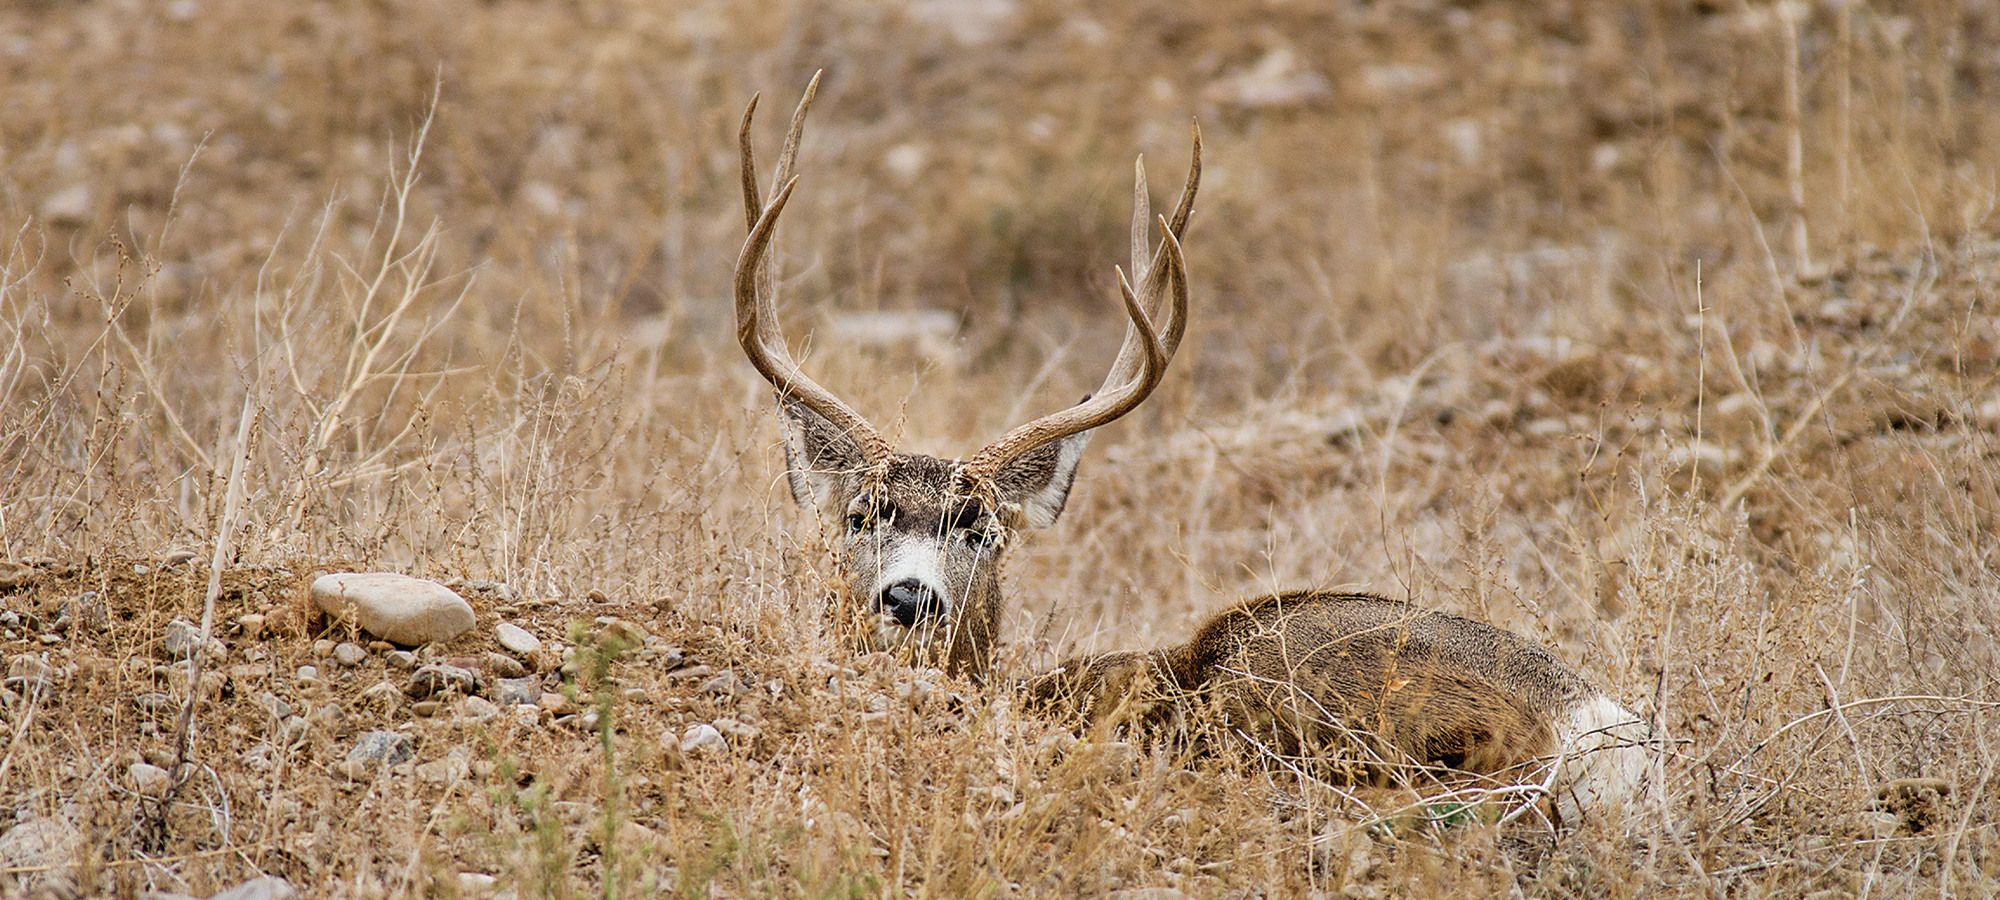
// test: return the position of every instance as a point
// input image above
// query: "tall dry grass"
(1663, 333)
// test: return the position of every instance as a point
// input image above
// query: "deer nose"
(909, 601)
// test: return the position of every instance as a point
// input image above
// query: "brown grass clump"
(1663, 333)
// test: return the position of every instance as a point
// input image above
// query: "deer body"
(1369, 688)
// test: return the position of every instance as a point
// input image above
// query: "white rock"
(703, 737)
(149, 779)
(396, 608)
(477, 709)
(43, 849)
(350, 654)
(269, 887)
(516, 639)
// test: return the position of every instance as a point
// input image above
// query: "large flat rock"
(395, 608)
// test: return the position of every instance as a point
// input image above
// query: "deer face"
(920, 560)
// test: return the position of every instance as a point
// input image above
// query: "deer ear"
(1040, 479)
(821, 461)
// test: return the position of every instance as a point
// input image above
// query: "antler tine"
(756, 294)
(1148, 272)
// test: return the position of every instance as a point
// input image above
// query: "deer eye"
(858, 521)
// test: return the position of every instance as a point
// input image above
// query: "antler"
(757, 293)
(1142, 359)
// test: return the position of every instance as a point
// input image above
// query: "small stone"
(30, 675)
(501, 665)
(426, 708)
(702, 738)
(349, 654)
(737, 732)
(380, 646)
(443, 771)
(15, 576)
(516, 639)
(250, 625)
(249, 673)
(44, 850)
(401, 659)
(269, 887)
(382, 695)
(386, 747)
(176, 557)
(182, 637)
(725, 683)
(518, 691)
(527, 716)
(322, 648)
(149, 779)
(70, 206)
(436, 678)
(332, 718)
(308, 675)
(627, 635)
(477, 709)
(272, 705)
(555, 703)
(154, 703)
(398, 608)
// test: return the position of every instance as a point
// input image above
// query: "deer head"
(921, 538)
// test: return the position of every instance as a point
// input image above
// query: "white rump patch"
(1607, 751)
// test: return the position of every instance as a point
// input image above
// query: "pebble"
(275, 707)
(308, 675)
(29, 674)
(14, 576)
(154, 703)
(477, 709)
(518, 691)
(386, 747)
(426, 708)
(149, 779)
(502, 665)
(176, 557)
(739, 732)
(250, 625)
(444, 771)
(725, 683)
(269, 887)
(629, 635)
(349, 654)
(703, 738)
(382, 695)
(397, 608)
(436, 678)
(555, 703)
(322, 648)
(182, 637)
(44, 850)
(332, 717)
(401, 659)
(516, 639)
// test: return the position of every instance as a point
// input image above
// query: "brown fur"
(1361, 682)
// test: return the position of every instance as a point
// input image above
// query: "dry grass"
(1663, 332)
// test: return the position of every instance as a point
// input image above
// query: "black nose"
(909, 601)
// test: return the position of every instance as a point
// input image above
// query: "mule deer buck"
(1340, 676)
(921, 537)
